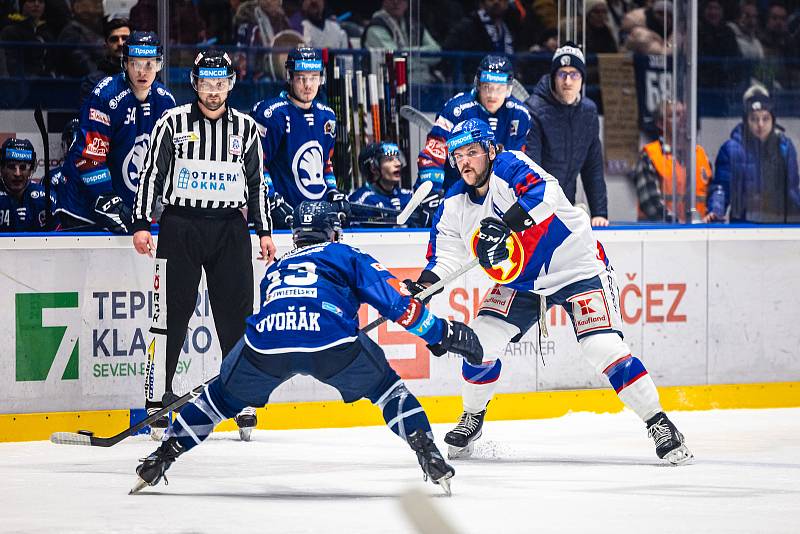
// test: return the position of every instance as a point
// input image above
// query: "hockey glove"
(415, 288)
(280, 211)
(112, 213)
(427, 209)
(492, 249)
(339, 202)
(460, 339)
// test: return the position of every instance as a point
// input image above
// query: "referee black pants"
(221, 246)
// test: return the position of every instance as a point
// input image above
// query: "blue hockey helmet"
(143, 45)
(369, 160)
(70, 134)
(315, 221)
(304, 59)
(467, 132)
(213, 65)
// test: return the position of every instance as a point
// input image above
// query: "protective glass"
(493, 89)
(470, 153)
(152, 64)
(213, 85)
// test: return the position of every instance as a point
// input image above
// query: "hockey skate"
(153, 468)
(461, 439)
(431, 460)
(246, 420)
(159, 426)
(669, 441)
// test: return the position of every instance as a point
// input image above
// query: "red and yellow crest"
(510, 269)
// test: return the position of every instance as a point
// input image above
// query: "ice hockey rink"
(579, 473)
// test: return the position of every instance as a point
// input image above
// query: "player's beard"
(212, 106)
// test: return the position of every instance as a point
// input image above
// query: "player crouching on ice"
(308, 324)
(514, 217)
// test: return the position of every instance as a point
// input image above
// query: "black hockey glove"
(280, 211)
(427, 209)
(460, 339)
(415, 288)
(491, 248)
(339, 202)
(112, 213)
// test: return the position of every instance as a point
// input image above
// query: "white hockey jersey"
(558, 250)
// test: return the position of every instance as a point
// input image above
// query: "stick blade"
(71, 438)
(416, 199)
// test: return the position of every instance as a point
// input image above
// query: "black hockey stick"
(48, 211)
(88, 439)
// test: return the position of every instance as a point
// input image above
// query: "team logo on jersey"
(96, 145)
(514, 127)
(330, 128)
(235, 145)
(308, 170)
(134, 160)
(507, 271)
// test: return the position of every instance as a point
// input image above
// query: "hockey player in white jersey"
(539, 249)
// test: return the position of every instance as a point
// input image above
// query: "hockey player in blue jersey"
(297, 134)
(540, 250)
(491, 101)
(102, 168)
(23, 205)
(380, 164)
(68, 137)
(308, 324)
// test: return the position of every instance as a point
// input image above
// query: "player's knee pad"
(402, 411)
(494, 334)
(602, 350)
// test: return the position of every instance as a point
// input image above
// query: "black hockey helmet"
(495, 69)
(369, 160)
(315, 222)
(143, 45)
(213, 64)
(70, 134)
(304, 59)
(18, 150)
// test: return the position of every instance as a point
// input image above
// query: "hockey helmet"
(495, 69)
(315, 222)
(19, 151)
(467, 132)
(369, 160)
(144, 45)
(213, 65)
(70, 135)
(304, 59)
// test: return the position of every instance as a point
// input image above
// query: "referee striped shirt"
(203, 166)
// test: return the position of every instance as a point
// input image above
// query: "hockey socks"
(480, 381)
(402, 412)
(633, 385)
(196, 420)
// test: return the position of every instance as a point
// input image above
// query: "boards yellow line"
(505, 406)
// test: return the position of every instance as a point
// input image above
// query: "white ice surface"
(583, 473)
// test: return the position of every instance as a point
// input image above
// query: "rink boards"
(711, 311)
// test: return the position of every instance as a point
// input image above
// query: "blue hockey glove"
(280, 211)
(112, 213)
(491, 249)
(339, 202)
(460, 339)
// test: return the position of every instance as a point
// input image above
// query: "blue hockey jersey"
(311, 296)
(110, 147)
(27, 214)
(298, 145)
(510, 125)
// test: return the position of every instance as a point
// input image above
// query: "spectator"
(644, 28)
(31, 28)
(653, 173)
(438, 16)
(257, 22)
(319, 31)
(564, 135)
(716, 42)
(757, 166)
(388, 30)
(186, 26)
(490, 29)
(745, 29)
(600, 39)
(218, 15)
(116, 33)
(85, 31)
(618, 9)
(779, 45)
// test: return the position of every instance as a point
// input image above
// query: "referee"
(205, 164)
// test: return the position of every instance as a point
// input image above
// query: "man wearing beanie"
(757, 166)
(564, 135)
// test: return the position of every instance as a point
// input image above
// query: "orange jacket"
(663, 166)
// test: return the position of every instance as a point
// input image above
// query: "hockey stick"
(87, 439)
(518, 90)
(377, 209)
(416, 117)
(416, 199)
(48, 211)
